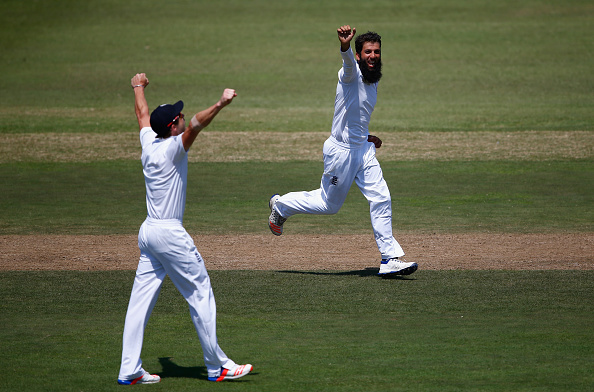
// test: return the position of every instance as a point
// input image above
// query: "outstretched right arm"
(139, 82)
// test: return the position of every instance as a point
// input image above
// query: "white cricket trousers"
(344, 164)
(167, 249)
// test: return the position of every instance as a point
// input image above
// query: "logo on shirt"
(334, 180)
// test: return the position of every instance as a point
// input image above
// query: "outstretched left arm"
(201, 119)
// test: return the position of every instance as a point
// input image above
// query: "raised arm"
(345, 35)
(201, 119)
(139, 82)
(347, 74)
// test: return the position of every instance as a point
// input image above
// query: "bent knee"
(331, 208)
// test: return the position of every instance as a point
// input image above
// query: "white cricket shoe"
(275, 221)
(236, 371)
(397, 266)
(146, 378)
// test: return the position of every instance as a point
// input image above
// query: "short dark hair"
(369, 36)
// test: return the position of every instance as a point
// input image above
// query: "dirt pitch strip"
(309, 252)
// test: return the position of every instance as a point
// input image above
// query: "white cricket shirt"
(354, 103)
(165, 168)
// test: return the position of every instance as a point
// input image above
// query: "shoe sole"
(405, 271)
(137, 381)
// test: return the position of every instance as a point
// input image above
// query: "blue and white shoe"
(235, 372)
(146, 378)
(397, 266)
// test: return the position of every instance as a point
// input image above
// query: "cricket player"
(349, 154)
(165, 246)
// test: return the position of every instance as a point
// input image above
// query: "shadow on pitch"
(367, 272)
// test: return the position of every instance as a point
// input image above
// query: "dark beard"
(371, 75)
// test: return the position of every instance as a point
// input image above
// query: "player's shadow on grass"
(367, 272)
(173, 370)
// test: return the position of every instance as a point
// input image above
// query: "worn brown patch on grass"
(281, 146)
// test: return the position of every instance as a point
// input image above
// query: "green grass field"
(456, 197)
(455, 66)
(449, 65)
(311, 331)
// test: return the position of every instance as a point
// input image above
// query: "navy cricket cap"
(162, 117)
